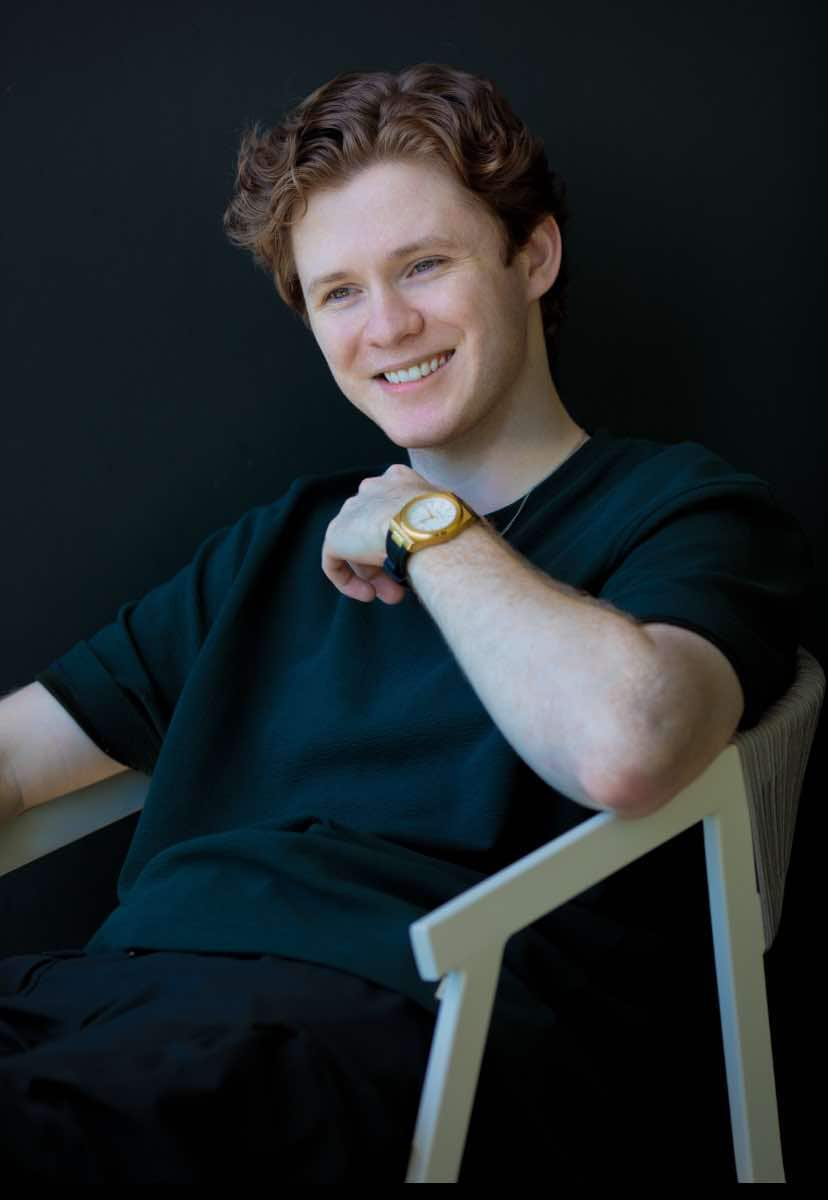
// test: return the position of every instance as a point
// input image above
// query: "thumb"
(386, 588)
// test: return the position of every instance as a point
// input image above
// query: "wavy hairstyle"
(359, 118)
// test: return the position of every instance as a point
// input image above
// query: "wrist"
(435, 558)
(426, 521)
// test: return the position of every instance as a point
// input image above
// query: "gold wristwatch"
(426, 520)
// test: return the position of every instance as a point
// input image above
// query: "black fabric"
(274, 714)
(314, 790)
(190, 1068)
(193, 1068)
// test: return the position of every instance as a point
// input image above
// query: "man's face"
(387, 312)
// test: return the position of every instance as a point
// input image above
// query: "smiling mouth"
(449, 355)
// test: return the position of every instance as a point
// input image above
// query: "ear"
(542, 257)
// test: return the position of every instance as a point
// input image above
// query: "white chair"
(747, 799)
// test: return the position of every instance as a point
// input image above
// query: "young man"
(566, 622)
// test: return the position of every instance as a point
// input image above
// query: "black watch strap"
(396, 562)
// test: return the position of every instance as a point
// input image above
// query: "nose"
(390, 318)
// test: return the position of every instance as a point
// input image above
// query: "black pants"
(199, 1068)
(184, 1068)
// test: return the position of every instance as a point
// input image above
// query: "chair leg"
(738, 942)
(466, 1001)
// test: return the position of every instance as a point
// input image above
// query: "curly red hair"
(429, 112)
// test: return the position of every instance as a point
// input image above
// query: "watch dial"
(432, 513)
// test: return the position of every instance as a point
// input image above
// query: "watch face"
(432, 513)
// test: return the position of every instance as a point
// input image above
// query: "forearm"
(567, 679)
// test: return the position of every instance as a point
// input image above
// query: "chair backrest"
(774, 755)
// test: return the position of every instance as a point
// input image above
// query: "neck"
(493, 468)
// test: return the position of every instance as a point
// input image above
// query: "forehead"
(385, 208)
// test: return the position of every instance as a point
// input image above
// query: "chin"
(419, 429)
(419, 438)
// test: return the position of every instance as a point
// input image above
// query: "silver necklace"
(529, 493)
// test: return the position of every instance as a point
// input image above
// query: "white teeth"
(425, 368)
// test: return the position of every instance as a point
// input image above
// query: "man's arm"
(44, 752)
(612, 712)
(608, 712)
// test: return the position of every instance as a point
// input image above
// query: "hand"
(354, 548)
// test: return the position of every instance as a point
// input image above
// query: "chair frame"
(742, 799)
(747, 801)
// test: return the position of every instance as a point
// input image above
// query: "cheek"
(334, 348)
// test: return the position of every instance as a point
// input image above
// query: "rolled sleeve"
(730, 564)
(122, 684)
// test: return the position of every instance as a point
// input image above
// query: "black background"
(155, 388)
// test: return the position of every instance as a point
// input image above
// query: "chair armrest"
(489, 913)
(40, 830)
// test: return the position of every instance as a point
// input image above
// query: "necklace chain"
(517, 514)
(529, 493)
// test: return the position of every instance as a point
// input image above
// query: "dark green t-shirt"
(323, 773)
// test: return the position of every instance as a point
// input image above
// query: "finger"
(387, 589)
(376, 579)
(362, 570)
(344, 578)
(383, 586)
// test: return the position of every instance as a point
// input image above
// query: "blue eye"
(427, 260)
(339, 289)
(422, 262)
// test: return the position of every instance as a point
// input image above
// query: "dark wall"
(154, 387)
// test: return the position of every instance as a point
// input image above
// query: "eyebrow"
(391, 256)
